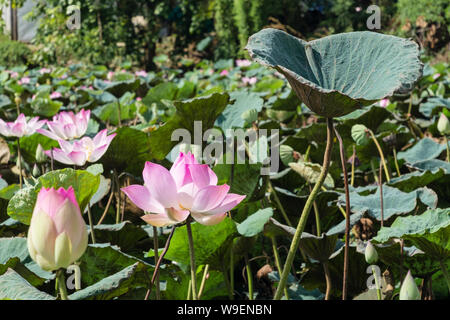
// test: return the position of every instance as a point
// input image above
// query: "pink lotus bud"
(141, 73)
(24, 80)
(243, 63)
(55, 95)
(436, 75)
(224, 72)
(57, 235)
(384, 103)
(443, 125)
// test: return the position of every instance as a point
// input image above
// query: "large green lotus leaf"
(254, 224)
(433, 165)
(204, 109)
(416, 179)
(338, 74)
(430, 232)
(85, 184)
(425, 149)
(427, 108)
(318, 248)
(210, 243)
(29, 144)
(114, 285)
(395, 202)
(14, 287)
(234, 114)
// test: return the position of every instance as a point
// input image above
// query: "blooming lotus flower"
(20, 127)
(224, 72)
(409, 289)
(243, 63)
(57, 235)
(188, 188)
(110, 75)
(55, 95)
(45, 70)
(14, 74)
(141, 73)
(436, 75)
(81, 151)
(67, 125)
(24, 80)
(247, 80)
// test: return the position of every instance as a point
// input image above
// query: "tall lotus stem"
(202, 284)
(192, 259)
(347, 216)
(380, 183)
(448, 149)
(249, 278)
(155, 249)
(326, 270)
(353, 166)
(380, 151)
(277, 261)
(61, 284)
(306, 210)
(396, 163)
(19, 162)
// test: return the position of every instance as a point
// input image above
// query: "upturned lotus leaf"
(338, 74)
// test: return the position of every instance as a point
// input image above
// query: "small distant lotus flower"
(141, 73)
(409, 289)
(188, 188)
(110, 75)
(243, 63)
(224, 72)
(384, 103)
(57, 235)
(358, 9)
(64, 76)
(67, 125)
(247, 80)
(44, 70)
(24, 80)
(55, 95)
(20, 127)
(138, 99)
(14, 74)
(443, 125)
(81, 151)
(436, 75)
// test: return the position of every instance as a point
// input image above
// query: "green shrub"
(13, 53)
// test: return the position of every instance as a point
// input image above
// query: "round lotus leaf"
(360, 134)
(338, 74)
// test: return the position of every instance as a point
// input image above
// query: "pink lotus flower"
(188, 188)
(110, 75)
(55, 95)
(384, 103)
(64, 76)
(45, 70)
(247, 80)
(57, 235)
(14, 74)
(224, 72)
(358, 9)
(67, 125)
(24, 80)
(436, 75)
(141, 73)
(20, 127)
(138, 99)
(81, 151)
(243, 63)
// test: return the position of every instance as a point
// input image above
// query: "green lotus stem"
(445, 273)
(192, 259)
(249, 278)
(116, 178)
(277, 261)
(326, 270)
(306, 210)
(380, 183)
(352, 180)
(448, 150)
(188, 297)
(377, 284)
(280, 206)
(155, 249)
(231, 282)
(380, 151)
(306, 157)
(61, 284)
(317, 216)
(119, 116)
(19, 163)
(396, 163)
(202, 284)
(347, 216)
(91, 224)
(372, 166)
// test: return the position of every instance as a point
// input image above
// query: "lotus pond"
(316, 170)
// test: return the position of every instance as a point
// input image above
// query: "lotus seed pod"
(409, 289)
(40, 155)
(371, 253)
(443, 125)
(17, 99)
(286, 154)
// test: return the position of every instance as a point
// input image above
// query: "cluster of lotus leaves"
(338, 74)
